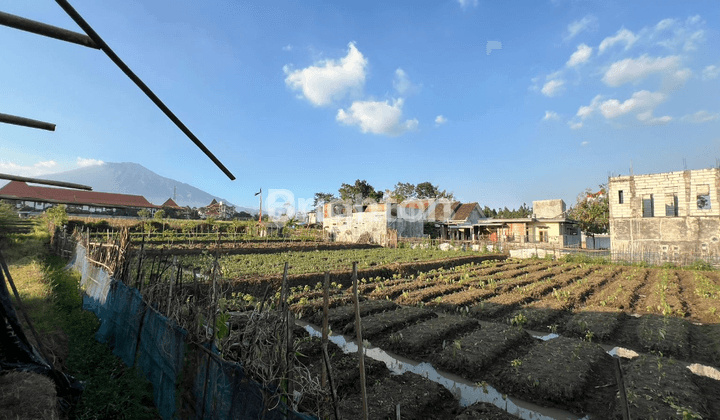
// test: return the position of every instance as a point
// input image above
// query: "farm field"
(481, 321)
(536, 331)
(308, 258)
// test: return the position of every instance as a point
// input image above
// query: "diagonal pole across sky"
(129, 73)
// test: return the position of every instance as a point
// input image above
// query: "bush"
(56, 216)
(700, 265)
(8, 217)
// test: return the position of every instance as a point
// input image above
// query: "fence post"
(361, 349)
(326, 304)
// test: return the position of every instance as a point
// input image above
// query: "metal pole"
(45, 182)
(44, 29)
(26, 122)
(149, 93)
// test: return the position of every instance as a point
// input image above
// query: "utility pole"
(260, 217)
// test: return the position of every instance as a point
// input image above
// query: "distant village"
(670, 216)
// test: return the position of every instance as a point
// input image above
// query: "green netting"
(218, 389)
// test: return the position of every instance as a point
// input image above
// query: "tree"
(428, 190)
(322, 198)
(57, 215)
(159, 215)
(144, 213)
(359, 192)
(403, 191)
(592, 211)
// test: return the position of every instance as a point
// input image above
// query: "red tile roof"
(21, 191)
(170, 203)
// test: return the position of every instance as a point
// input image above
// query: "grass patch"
(54, 302)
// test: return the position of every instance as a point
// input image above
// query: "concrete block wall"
(693, 231)
(548, 209)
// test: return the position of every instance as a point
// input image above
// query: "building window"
(621, 199)
(647, 205)
(543, 235)
(671, 205)
(703, 197)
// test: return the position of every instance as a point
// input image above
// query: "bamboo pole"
(361, 349)
(44, 29)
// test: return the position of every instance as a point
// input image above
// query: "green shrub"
(700, 265)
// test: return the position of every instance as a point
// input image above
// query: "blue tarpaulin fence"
(140, 335)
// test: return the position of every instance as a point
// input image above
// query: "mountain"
(132, 178)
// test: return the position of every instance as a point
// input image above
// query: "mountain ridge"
(133, 178)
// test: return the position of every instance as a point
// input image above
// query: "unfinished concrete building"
(667, 217)
(373, 222)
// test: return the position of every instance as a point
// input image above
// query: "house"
(29, 199)
(217, 210)
(669, 216)
(548, 225)
(171, 204)
(429, 209)
(462, 224)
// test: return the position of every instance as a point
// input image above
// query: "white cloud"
(710, 72)
(585, 143)
(466, 3)
(37, 169)
(377, 117)
(551, 115)
(82, 163)
(580, 56)
(329, 80)
(641, 101)
(585, 24)
(664, 24)
(288, 47)
(684, 35)
(648, 119)
(402, 83)
(586, 111)
(575, 125)
(440, 120)
(636, 69)
(622, 36)
(553, 87)
(700, 117)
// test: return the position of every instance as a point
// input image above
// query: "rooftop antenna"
(684, 164)
(631, 168)
(717, 163)
(175, 193)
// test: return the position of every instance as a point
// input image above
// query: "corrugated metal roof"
(464, 211)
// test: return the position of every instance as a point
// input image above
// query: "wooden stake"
(326, 357)
(361, 353)
(283, 307)
(326, 304)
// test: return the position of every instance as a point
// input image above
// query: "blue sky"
(499, 102)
